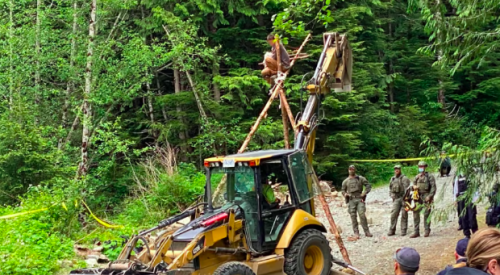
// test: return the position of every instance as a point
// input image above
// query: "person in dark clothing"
(444, 165)
(483, 254)
(493, 213)
(461, 261)
(467, 210)
(406, 261)
(271, 60)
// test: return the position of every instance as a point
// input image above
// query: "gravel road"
(374, 255)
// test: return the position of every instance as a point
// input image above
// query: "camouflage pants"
(357, 206)
(416, 216)
(398, 207)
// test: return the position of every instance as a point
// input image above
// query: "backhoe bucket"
(334, 69)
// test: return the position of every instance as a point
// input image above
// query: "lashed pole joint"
(276, 89)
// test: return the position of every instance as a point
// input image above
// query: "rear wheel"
(234, 268)
(309, 254)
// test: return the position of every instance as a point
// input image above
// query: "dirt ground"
(374, 255)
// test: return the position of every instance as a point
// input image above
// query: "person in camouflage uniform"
(397, 187)
(352, 190)
(426, 185)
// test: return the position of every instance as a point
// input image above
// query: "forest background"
(117, 103)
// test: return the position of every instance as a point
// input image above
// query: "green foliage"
(38, 243)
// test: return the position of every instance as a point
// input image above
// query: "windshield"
(229, 185)
(236, 186)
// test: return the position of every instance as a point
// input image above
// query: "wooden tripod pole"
(277, 48)
(284, 104)
(286, 130)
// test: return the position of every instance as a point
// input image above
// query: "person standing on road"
(426, 185)
(444, 165)
(493, 212)
(352, 190)
(406, 261)
(397, 187)
(467, 211)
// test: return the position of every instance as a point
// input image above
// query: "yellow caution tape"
(103, 223)
(63, 205)
(394, 160)
(385, 160)
(22, 213)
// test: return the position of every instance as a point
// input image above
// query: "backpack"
(462, 185)
(492, 216)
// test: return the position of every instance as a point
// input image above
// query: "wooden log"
(284, 104)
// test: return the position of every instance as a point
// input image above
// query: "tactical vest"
(462, 185)
(354, 185)
(423, 184)
(397, 184)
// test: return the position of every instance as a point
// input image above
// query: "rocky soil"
(374, 255)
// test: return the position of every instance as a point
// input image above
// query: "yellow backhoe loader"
(264, 222)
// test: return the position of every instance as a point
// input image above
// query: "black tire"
(234, 268)
(307, 241)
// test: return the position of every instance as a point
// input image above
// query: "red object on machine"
(217, 218)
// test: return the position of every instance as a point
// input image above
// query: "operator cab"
(268, 186)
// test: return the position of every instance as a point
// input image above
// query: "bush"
(34, 243)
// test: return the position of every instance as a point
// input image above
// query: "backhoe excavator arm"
(334, 71)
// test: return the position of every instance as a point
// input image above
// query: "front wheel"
(309, 254)
(234, 268)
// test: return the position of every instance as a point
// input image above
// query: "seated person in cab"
(270, 200)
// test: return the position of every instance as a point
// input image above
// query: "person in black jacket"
(461, 260)
(493, 213)
(467, 210)
(483, 254)
(444, 165)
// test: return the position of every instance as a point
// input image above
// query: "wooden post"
(285, 123)
(277, 48)
(284, 104)
(256, 124)
(333, 227)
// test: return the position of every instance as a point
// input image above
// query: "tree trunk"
(158, 87)
(215, 72)
(193, 87)
(391, 71)
(11, 54)
(215, 65)
(177, 89)
(87, 107)
(150, 103)
(391, 96)
(260, 20)
(37, 51)
(70, 85)
(441, 97)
